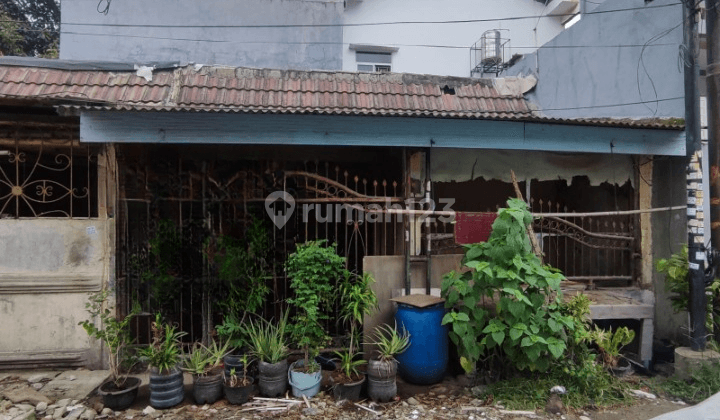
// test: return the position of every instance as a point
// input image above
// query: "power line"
(348, 25)
(463, 47)
(613, 105)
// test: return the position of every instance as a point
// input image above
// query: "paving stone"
(25, 394)
(75, 385)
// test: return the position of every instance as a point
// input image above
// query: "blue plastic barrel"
(425, 361)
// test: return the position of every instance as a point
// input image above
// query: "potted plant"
(357, 300)
(119, 391)
(610, 343)
(312, 268)
(268, 344)
(237, 388)
(382, 370)
(205, 364)
(163, 355)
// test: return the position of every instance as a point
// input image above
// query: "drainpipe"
(696, 245)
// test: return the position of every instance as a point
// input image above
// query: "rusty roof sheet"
(238, 89)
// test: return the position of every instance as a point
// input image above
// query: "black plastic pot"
(349, 391)
(272, 380)
(238, 394)
(623, 368)
(119, 399)
(381, 380)
(207, 389)
(166, 390)
(233, 361)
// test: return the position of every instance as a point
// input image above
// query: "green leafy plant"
(610, 343)
(204, 359)
(234, 380)
(313, 268)
(676, 269)
(113, 332)
(390, 342)
(357, 299)
(164, 352)
(268, 342)
(528, 326)
(349, 364)
(197, 361)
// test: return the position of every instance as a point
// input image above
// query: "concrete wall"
(582, 69)
(668, 236)
(87, 34)
(389, 274)
(48, 267)
(414, 56)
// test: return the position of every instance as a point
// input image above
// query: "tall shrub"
(528, 327)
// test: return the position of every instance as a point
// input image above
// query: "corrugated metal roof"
(230, 89)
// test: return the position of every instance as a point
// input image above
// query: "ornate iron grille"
(48, 178)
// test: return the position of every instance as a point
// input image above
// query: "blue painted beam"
(206, 128)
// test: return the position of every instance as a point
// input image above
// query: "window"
(373, 62)
(373, 58)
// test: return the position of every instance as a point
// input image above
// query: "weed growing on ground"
(587, 387)
(703, 383)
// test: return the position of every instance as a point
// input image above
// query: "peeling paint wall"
(205, 32)
(48, 267)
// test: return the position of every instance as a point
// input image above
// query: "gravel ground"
(448, 400)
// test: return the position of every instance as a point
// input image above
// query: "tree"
(29, 27)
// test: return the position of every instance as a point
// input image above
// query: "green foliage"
(243, 269)
(676, 269)
(35, 26)
(232, 331)
(164, 352)
(203, 359)
(357, 299)
(313, 268)
(112, 332)
(703, 383)
(588, 385)
(349, 366)
(10, 37)
(611, 342)
(528, 328)
(390, 342)
(268, 342)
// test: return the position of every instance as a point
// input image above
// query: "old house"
(144, 141)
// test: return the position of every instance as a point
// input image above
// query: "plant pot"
(272, 380)
(307, 384)
(381, 380)
(623, 368)
(238, 394)
(348, 391)
(233, 361)
(207, 389)
(166, 390)
(119, 399)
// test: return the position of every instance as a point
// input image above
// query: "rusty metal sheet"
(471, 228)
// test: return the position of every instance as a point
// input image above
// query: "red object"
(471, 228)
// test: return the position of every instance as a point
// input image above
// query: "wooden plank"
(187, 127)
(622, 311)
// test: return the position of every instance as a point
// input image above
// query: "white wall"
(442, 61)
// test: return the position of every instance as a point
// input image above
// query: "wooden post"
(530, 230)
